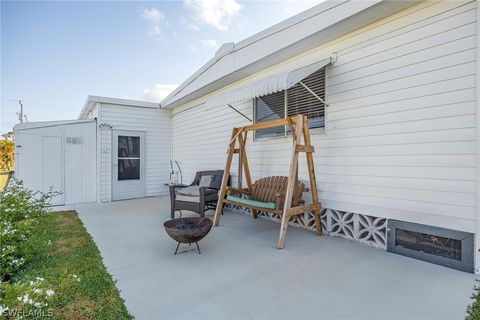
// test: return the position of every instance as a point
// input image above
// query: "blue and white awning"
(272, 84)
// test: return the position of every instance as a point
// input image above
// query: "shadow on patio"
(241, 275)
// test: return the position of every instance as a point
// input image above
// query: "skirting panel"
(353, 226)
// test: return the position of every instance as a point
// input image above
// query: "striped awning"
(272, 84)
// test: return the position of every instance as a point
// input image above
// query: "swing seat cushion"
(253, 203)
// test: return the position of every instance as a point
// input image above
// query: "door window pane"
(128, 147)
(128, 169)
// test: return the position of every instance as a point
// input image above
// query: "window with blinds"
(301, 101)
(270, 107)
(302, 98)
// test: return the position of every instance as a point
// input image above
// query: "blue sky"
(54, 54)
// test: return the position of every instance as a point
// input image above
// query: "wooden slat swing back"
(268, 189)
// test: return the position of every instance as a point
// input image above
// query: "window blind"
(301, 101)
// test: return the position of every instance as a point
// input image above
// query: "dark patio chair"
(199, 196)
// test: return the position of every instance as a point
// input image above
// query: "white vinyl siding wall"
(78, 159)
(400, 138)
(156, 124)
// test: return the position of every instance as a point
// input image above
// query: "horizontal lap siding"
(400, 137)
(200, 138)
(156, 124)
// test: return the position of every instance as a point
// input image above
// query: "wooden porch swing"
(287, 202)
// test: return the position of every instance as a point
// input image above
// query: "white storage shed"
(60, 155)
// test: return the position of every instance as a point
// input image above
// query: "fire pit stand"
(188, 230)
(178, 245)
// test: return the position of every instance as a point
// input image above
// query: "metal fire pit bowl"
(188, 230)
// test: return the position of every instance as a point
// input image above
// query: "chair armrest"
(208, 193)
(173, 188)
(204, 190)
(178, 186)
(279, 200)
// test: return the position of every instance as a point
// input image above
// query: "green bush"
(30, 298)
(20, 211)
(473, 310)
(7, 153)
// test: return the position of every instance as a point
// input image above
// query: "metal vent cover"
(446, 247)
(73, 140)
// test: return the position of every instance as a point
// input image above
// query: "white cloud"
(158, 92)
(188, 24)
(292, 7)
(156, 18)
(191, 47)
(215, 13)
(153, 15)
(209, 43)
(155, 30)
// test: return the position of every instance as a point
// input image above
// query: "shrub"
(30, 298)
(473, 310)
(20, 209)
(7, 148)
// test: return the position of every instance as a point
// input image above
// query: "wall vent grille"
(73, 140)
(353, 226)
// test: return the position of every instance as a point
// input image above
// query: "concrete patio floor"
(241, 275)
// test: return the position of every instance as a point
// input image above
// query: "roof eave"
(93, 100)
(360, 19)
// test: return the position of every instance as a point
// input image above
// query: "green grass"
(71, 251)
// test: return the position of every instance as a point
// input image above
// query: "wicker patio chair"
(199, 196)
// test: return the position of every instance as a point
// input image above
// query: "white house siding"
(156, 124)
(400, 140)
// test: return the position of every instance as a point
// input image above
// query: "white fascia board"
(43, 124)
(303, 32)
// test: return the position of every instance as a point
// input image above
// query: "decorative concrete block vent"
(353, 226)
(362, 228)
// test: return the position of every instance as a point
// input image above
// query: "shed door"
(52, 168)
(128, 168)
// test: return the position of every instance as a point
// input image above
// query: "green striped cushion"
(266, 205)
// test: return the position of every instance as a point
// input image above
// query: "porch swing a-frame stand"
(299, 129)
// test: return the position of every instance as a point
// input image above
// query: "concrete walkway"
(241, 275)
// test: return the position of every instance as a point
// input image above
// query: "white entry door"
(52, 168)
(128, 168)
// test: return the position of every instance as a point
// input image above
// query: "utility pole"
(21, 116)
